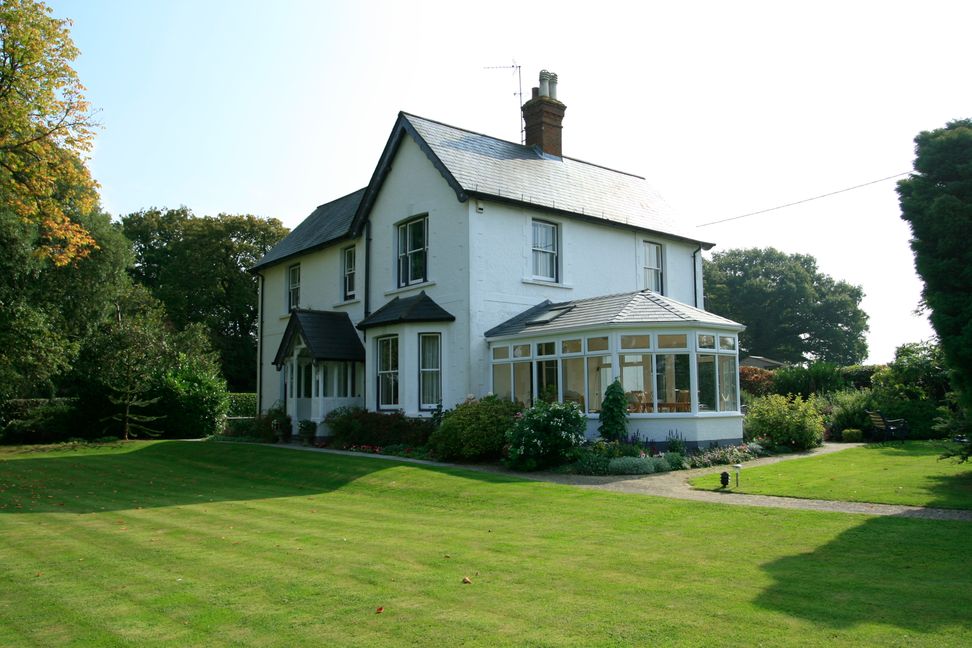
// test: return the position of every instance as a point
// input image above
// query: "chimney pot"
(552, 84)
(536, 93)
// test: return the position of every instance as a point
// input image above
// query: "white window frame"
(393, 353)
(538, 251)
(424, 404)
(293, 287)
(406, 251)
(655, 274)
(348, 263)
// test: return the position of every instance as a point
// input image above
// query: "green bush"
(675, 460)
(353, 426)
(193, 401)
(859, 376)
(591, 463)
(474, 430)
(661, 464)
(614, 413)
(241, 428)
(631, 466)
(33, 421)
(675, 443)
(721, 456)
(307, 430)
(544, 435)
(267, 425)
(613, 449)
(242, 404)
(847, 409)
(818, 378)
(851, 435)
(789, 421)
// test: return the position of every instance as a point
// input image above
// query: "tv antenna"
(515, 69)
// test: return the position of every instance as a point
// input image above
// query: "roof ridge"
(529, 148)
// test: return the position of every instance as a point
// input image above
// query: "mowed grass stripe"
(556, 565)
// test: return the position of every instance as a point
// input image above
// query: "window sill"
(346, 302)
(548, 284)
(403, 289)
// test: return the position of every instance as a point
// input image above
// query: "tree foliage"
(792, 312)
(937, 202)
(197, 267)
(45, 130)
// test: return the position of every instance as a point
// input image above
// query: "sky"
(726, 108)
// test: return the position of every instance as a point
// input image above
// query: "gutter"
(259, 381)
(367, 278)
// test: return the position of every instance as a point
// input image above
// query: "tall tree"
(792, 312)
(45, 130)
(198, 267)
(937, 202)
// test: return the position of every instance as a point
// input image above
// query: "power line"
(805, 200)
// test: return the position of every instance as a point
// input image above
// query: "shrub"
(818, 378)
(353, 426)
(614, 413)
(755, 380)
(661, 464)
(544, 435)
(32, 421)
(859, 376)
(242, 428)
(631, 466)
(590, 463)
(675, 460)
(789, 421)
(474, 430)
(193, 400)
(721, 456)
(307, 430)
(851, 435)
(242, 404)
(847, 409)
(675, 443)
(266, 426)
(613, 449)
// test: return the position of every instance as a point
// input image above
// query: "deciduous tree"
(792, 312)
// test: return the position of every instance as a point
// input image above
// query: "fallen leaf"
(378, 610)
(466, 580)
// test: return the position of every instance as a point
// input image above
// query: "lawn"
(908, 472)
(182, 543)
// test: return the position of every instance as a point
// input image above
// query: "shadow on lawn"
(910, 573)
(174, 473)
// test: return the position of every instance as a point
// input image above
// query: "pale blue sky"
(726, 108)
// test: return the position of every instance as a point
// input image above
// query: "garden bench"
(888, 429)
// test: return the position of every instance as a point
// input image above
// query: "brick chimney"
(543, 115)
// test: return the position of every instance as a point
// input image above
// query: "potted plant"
(307, 430)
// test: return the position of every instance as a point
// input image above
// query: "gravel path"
(675, 485)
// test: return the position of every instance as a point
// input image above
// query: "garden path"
(675, 485)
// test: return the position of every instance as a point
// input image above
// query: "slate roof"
(329, 222)
(419, 308)
(642, 307)
(490, 167)
(327, 334)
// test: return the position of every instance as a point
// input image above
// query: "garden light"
(738, 468)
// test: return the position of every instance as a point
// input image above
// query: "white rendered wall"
(596, 259)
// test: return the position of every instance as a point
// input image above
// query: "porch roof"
(401, 310)
(328, 335)
(642, 307)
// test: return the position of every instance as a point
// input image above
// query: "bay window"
(388, 372)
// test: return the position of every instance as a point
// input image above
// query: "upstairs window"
(293, 287)
(348, 273)
(546, 260)
(653, 267)
(413, 249)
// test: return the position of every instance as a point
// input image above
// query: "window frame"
(293, 288)
(379, 342)
(658, 269)
(555, 253)
(404, 257)
(348, 271)
(423, 406)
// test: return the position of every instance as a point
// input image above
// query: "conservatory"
(678, 365)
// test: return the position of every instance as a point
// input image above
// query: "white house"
(471, 265)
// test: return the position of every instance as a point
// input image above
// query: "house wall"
(596, 259)
(415, 187)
